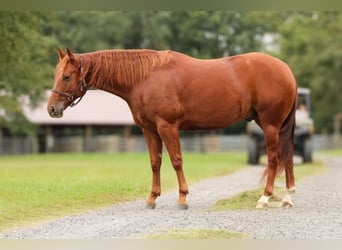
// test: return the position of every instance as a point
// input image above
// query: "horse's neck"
(120, 72)
(108, 85)
(118, 90)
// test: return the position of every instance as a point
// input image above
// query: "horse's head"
(69, 84)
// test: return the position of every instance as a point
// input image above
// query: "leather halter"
(71, 97)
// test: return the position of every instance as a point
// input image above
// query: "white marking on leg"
(291, 190)
(263, 202)
(287, 199)
(264, 199)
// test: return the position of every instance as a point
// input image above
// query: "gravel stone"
(316, 213)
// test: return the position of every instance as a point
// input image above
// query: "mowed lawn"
(39, 187)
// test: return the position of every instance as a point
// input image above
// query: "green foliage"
(311, 44)
(308, 41)
(23, 66)
(198, 33)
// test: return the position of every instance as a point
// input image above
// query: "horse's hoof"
(261, 205)
(150, 205)
(286, 204)
(182, 206)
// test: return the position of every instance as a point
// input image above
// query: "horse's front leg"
(155, 148)
(170, 136)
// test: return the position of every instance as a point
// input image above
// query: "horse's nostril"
(51, 109)
(55, 111)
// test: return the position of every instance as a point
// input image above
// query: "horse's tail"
(286, 140)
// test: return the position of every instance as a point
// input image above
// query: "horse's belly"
(216, 107)
(210, 118)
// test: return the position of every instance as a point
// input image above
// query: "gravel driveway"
(316, 213)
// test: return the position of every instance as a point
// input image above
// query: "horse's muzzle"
(55, 112)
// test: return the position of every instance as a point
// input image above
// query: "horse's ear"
(71, 55)
(61, 54)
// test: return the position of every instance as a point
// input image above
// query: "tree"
(201, 34)
(23, 68)
(311, 44)
(308, 42)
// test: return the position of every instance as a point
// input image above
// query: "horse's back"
(255, 66)
(252, 75)
(215, 93)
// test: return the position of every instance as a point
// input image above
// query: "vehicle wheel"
(307, 150)
(253, 153)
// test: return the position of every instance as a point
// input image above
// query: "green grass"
(212, 234)
(248, 199)
(332, 152)
(39, 187)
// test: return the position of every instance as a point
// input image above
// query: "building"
(99, 113)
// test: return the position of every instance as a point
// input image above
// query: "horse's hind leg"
(154, 145)
(290, 182)
(170, 136)
(272, 146)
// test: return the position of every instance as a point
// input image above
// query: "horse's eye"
(66, 78)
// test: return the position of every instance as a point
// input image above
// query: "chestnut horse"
(169, 91)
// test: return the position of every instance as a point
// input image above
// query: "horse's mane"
(125, 67)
